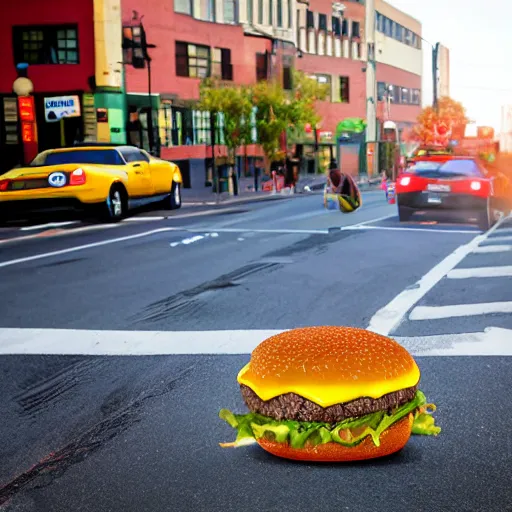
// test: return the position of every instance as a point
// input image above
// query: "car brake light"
(405, 181)
(475, 185)
(77, 177)
(3, 185)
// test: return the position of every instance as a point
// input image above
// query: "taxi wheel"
(173, 200)
(116, 204)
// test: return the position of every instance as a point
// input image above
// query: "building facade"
(71, 53)
(399, 57)
(443, 71)
(85, 54)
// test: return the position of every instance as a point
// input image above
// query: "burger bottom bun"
(392, 440)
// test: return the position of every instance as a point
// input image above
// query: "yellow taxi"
(109, 180)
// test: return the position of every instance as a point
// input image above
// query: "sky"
(479, 37)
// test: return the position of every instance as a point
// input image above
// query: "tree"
(437, 127)
(278, 111)
(233, 103)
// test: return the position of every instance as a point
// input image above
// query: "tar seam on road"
(390, 316)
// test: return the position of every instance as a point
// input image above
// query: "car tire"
(404, 214)
(116, 204)
(173, 200)
(486, 218)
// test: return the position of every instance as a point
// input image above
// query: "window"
(183, 6)
(387, 27)
(379, 22)
(381, 91)
(356, 29)
(405, 95)
(344, 28)
(100, 156)
(192, 60)
(261, 66)
(260, 12)
(416, 97)
(345, 89)
(201, 127)
(221, 64)
(399, 32)
(287, 73)
(322, 22)
(48, 44)
(230, 11)
(133, 155)
(250, 9)
(310, 17)
(290, 13)
(336, 26)
(270, 12)
(279, 13)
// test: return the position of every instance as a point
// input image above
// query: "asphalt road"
(119, 345)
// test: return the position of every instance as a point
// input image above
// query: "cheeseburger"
(330, 394)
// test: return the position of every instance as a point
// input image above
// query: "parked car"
(107, 180)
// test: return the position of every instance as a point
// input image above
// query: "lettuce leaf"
(350, 432)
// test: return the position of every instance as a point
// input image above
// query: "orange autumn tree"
(435, 127)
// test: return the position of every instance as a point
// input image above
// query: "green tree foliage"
(276, 112)
(235, 104)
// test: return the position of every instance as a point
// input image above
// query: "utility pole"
(435, 57)
(371, 89)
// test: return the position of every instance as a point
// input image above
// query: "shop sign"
(59, 107)
(26, 107)
(27, 132)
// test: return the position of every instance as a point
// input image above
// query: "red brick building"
(187, 50)
(73, 52)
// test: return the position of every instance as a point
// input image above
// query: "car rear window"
(450, 168)
(101, 157)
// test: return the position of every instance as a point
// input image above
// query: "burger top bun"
(329, 365)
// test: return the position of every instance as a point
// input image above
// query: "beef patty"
(291, 406)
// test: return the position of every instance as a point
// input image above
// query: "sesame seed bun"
(329, 365)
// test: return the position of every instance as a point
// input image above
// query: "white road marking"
(468, 273)
(425, 230)
(484, 249)
(81, 247)
(491, 342)
(494, 341)
(459, 310)
(142, 219)
(387, 318)
(49, 225)
(498, 238)
(371, 221)
(251, 230)
(62, 232)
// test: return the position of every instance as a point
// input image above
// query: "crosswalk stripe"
(500, 239)
(459, 310)
(493, 341)
(467, 273)
(486, 249)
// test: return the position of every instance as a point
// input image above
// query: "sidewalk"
(305, 186)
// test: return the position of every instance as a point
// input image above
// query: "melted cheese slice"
(326, 392)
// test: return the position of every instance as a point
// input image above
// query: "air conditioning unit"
(338, 8)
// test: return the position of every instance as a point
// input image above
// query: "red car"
(460, 185)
